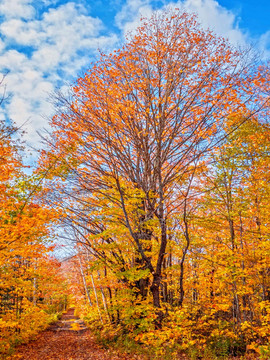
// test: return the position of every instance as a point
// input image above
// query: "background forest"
(32, 291)
(158, 169)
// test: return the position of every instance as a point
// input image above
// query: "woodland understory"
(157, 170)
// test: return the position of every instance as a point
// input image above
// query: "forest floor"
(70, 339)
(67, 339)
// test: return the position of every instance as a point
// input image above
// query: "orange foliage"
(26, 299)
(158, 169)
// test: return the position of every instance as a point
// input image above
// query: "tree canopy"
(157, 167)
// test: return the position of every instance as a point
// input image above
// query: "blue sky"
(47, 44)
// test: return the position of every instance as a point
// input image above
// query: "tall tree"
(141, 119)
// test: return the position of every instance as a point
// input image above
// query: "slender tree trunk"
(84, 283)
(185, 250)
(104, 299)
(98, 307)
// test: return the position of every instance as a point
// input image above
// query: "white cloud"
(28, 101)
(2, 46)
(214, 16)
(13, 59)
(64, 39)
(23, 33)
(17, 9)
(264, 45)
(128, 18)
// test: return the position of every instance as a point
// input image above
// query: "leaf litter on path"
(68, 339)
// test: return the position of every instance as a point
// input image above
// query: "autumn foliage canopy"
(158, 168)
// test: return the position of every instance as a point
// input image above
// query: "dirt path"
(61, 342)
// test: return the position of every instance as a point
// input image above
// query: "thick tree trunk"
(155, 289)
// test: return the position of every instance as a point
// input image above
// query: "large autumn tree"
(138, 126)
